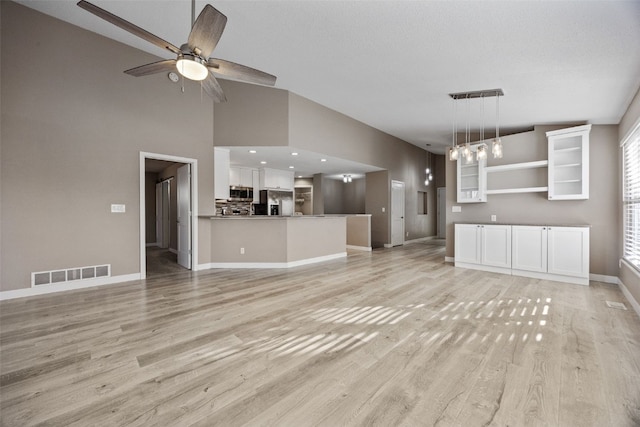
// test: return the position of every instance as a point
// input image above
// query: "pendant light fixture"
(453, 151)
(428, 171)
(496, 148)
(466, 150)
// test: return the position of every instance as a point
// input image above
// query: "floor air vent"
(70, 274)
(618, 305)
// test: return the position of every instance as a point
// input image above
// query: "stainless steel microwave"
(240, 194)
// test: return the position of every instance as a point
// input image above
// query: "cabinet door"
(568, 251)
(471, 180)
(234, 177)
(221, 160)
(467, 244)
(529, 248)
(246, 177)
(255, 176)
(569, 163)
(496, 245)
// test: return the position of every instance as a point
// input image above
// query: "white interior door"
(184, 215)
(441, 212)
(397, 213)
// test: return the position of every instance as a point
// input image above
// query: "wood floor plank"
(388, 337)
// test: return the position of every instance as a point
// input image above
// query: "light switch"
(383, 209)
(456, 208)
(117, 208)
(494, 218)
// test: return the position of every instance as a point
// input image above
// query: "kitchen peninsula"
(274, 241)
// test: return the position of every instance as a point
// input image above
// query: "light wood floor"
(393, 337)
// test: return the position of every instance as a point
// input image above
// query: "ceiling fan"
(192, 59)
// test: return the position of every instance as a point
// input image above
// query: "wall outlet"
(494, 218)
(407, 234)
(241, 251)
(456, 208)
(118, 208)
(383, 209)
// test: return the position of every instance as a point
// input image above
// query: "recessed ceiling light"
(299, 176)
(263, 162)
(291, 167)
(253, 151)
(323, 160)
(294, 154)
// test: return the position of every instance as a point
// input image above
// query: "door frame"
(194, 206)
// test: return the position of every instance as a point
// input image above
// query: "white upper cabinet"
(275, 179)
(241, 177)
(221, 173)
(569, 163)
(471, 180)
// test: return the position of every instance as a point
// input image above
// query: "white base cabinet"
(487, 247)
(544, 252)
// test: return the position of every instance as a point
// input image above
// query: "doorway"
(168, 217)
(397, 213)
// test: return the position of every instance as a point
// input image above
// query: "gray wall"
(317, 128)
(70, 142)
(601, 211)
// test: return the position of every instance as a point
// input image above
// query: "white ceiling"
(392, 64)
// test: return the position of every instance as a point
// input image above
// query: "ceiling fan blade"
(153, 68)
(213, 89)
(240, 72)
(127, 26)
(206, 31)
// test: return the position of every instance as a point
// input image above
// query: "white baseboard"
(388, 245)
(449, 259)
(152, 244)
(604, 279)
(629, 297)
(173, 251)
(68, 286)
(271, 264)
(359, 248)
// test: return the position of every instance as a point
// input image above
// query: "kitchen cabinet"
(274, 179)
(221, 160)
(569, 163)
(241, 177)
(471, 180)
(544, 252)
(255, 183)
(568, 251)
(487, 247)
(529, 248)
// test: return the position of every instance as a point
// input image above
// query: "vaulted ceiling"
(392, 64)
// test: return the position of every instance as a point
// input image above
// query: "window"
(631, 197)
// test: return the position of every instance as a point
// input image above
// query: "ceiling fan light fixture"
(191, 67)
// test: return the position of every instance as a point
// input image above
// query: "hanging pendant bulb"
(430, 177)
(453, 153)
(496, 148)
(481, 153)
